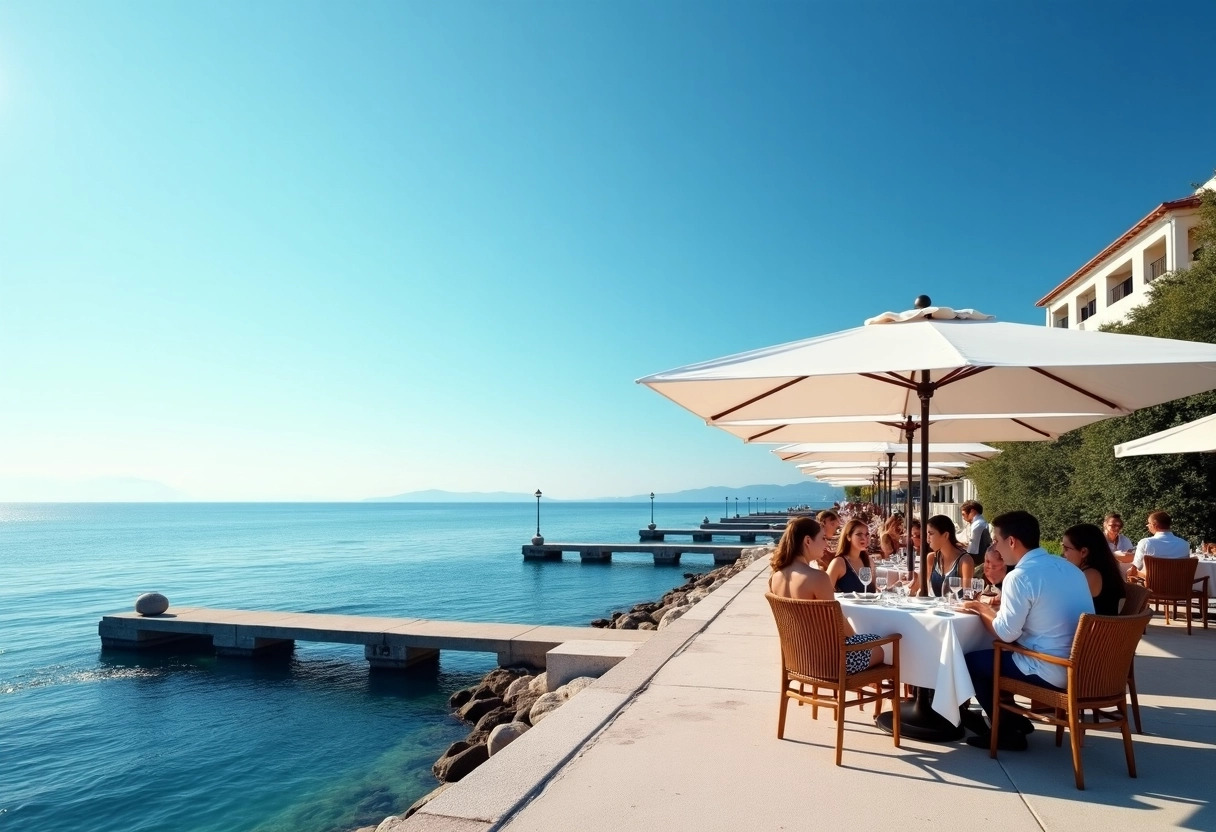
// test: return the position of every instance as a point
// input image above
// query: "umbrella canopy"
(1198, 436)
(870, 465)
(963, 362)
(880, 452)
(854, 472)
(892, 427)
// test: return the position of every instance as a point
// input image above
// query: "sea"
(311, 742)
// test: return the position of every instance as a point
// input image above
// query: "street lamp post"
(536, 541)
(651, 511)
(736, 507)
(749, 506)
(727, 509)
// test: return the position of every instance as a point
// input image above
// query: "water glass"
(977, 587)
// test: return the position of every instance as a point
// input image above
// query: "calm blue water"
(311, 743)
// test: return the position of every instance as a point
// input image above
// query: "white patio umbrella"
(870, 465)
(879, 451)
(938, 362)
(1198, 436)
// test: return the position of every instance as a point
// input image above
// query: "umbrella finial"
(922, 302)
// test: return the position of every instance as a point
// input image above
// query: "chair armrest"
(891, 639)
(1013, 648)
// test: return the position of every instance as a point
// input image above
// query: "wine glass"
(955, 584)
(977, 587)
(880, 581)
(864, 574)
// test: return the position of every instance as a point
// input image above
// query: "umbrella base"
(918, 720)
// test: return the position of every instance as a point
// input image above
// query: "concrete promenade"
(682, 735)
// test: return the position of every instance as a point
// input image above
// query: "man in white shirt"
(1041, 602)
(979, 538)
(1162, 544)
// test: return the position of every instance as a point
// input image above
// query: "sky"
(330, 251)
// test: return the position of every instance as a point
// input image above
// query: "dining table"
(1206, 567)
(935, 640)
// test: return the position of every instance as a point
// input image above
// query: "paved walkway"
(692, 745)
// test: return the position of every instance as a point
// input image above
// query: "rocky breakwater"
(655, 615)
(511, 700)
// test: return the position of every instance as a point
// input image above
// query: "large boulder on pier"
(458, 699)
(520, 686)
(545, 705)
(523, 705)
(673, 614)
(496, 717)
(477, 708)
(504, 735)
(151, 603)
(499, 679)
(455, 768)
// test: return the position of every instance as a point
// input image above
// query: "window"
(1061, 321)
(1088, 310)
(1121, 290)
(1155, 269)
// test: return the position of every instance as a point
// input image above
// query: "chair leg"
(895, 706)
(1060, 727)
(1188, 617)
(815, 702)
(785, 701)
(1075, 731)
(1127, 742)
(996, 721)
(1131, 686)
(840, 728)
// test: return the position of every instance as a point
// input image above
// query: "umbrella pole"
(909, 430)
(890, 483)
(917, 719)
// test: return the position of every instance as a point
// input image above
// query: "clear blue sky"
(272, 250)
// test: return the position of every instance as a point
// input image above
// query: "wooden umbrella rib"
(959, 374)
(755, 399)
(764, 433)
(890, 378)
(1080, 390)
(1029, 426)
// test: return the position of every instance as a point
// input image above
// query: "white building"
(1116, 279)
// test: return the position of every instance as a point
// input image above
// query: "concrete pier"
(394, 643)
(662, 552)
(707, 535)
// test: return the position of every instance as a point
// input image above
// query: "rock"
(673, 614)
(545, 705)
(625, 623)
(483, 692)
(455, 748)
(478, 708)
(151, 603)
(704, 581)
(477, 738)
(540, 683)
(459, 698)
(499, 680)
(494, 718)
(658, 614)
(716, 584)
(601, 623)
(574, 686)
(696, 595)
(419, 803)
(454, 769)
(648, 625)
(504, 735)
(519, 686)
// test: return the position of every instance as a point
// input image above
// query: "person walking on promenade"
(1042, 601)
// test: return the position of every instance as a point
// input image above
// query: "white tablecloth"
(931, 650)
(1207, 567)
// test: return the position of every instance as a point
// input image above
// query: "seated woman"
(947, 557)
(1086, 548)
(892, 537)
(851, 557)
(795, 576)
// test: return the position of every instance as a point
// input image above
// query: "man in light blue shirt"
(1041, 603)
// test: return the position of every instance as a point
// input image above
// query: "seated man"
(1041, 602)
(1162, 544)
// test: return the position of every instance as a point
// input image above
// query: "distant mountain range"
(778, 495)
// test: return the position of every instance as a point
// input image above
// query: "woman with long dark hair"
(1086, 548)
(795, 575)
(947, 557)
(852, 554)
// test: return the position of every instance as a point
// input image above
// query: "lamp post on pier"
(651, 527)
(736, 507)
(538, 540)
(749, 506)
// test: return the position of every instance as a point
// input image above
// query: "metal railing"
(1155, 269)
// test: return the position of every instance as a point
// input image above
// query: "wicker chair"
(813, 653)
(1171, 581)
(1134, 602)
(1097, 666)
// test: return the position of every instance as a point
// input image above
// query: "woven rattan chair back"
(811, 635)
(1135, 601)
(1102, 652)
(1170, 578)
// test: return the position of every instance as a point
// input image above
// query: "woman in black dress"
(1086, 548)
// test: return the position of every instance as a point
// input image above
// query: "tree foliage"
(1077, 477)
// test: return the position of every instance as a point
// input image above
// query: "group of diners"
(1032, 598)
